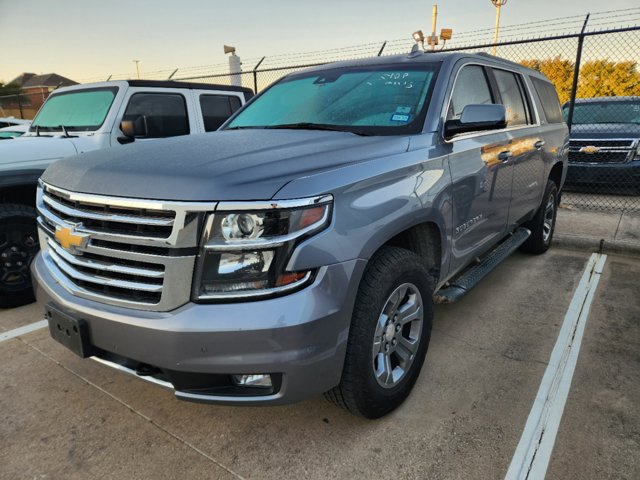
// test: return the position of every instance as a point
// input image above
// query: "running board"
(457, 287)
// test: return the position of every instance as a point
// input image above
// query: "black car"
(604, 153)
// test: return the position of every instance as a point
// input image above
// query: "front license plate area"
(71, 332)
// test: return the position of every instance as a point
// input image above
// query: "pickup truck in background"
(298, 250)
(84, 118)
(604, 150)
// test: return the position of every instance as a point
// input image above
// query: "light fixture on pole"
(498, 4)
(137, 68)
(418, 36)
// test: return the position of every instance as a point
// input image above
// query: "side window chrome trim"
(445, 107)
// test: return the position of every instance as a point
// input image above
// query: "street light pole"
(498, 4)
(137, 68)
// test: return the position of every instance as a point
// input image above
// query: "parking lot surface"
(64, 417)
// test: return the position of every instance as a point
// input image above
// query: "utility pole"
(498, 4)
(433, 40)
(137, 67)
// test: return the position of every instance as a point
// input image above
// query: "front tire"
(543, 224)
(18, 247)
(389, 335)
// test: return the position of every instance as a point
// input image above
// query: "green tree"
(604, 78)
(558, 70)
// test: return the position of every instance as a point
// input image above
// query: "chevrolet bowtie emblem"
(590, 149)
(68, 238)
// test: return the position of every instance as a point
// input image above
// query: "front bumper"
(611, 176)
(299, 338)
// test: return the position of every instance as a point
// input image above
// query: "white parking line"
(16, 332)
(533, 453)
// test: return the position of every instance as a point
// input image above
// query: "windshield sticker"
(404, 110)
(400, 117)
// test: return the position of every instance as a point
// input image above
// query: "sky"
(85, 39)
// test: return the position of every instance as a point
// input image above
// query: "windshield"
(605, 112)
(82, 110)
(383, 100)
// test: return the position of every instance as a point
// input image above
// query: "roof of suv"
(248, 93)
(430, 57)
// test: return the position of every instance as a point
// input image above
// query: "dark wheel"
(544, 223)
(389, 335)
(18, 246)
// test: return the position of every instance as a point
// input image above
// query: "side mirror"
(132, 129)
(477, 118)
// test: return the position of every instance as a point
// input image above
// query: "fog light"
(253, 380)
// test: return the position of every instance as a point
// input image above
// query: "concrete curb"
(592, 244)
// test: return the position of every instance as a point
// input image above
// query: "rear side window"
(549, 99)
(164, 114)
(512, 98)
(216, 109)
(471, 88)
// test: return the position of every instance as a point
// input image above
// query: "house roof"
(31, 80)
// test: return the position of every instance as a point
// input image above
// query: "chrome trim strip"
(107, 217)
(189, 395)
(131, 203)
(255, 293)
(129, 371)
(98, 280)
(274, 204)
(77, 290)
(100, 265)
(464, 136)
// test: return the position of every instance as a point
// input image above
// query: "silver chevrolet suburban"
(299, 250)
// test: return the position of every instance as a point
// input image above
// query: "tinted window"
(549, 100)
(369, 100)
(164, 114)
(76, 110)
(216, 109)
(471, 88)
(511, 94)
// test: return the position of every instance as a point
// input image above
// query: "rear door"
(480, 172)
(524, 147)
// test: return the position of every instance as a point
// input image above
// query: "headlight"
(246, 247)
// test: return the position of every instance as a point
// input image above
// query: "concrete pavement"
(64, 417)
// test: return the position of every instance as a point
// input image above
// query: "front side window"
(371, 100)
(471, 88)
(216, 109)
(79, 110)
(605, 112)
(162, 114)
(512, 100)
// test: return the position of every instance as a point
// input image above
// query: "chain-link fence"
(22, 105)
(597, 79)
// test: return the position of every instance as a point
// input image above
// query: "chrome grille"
(608, 151)
(134, 248)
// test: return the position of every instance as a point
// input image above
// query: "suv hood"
(605, 131)
(228, 165)
(23, 149)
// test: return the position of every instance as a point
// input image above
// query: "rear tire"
(543, 224)
(18, 247)
(389, 334)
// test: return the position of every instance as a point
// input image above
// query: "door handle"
(504, 156)
(539, 144)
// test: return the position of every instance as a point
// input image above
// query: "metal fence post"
(576, 73)
(255, 75)
(20, 106)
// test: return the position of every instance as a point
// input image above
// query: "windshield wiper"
(317, 126)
